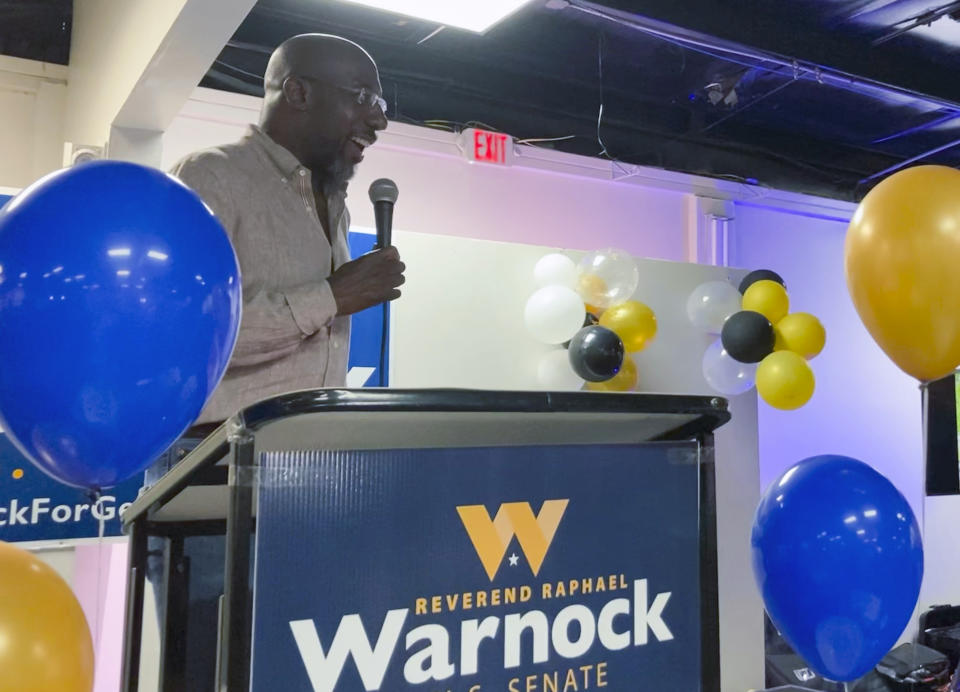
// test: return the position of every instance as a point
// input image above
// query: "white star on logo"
(514, 558)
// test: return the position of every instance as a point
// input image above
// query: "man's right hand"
(367, 281)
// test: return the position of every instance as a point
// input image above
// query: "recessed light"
(473, 15)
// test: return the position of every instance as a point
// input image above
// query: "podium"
(446, 539)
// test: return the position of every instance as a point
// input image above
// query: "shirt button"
(302, 172)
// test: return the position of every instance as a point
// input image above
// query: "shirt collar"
(284, 161)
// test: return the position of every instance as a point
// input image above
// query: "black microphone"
(383, 194)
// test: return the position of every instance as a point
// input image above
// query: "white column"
(708, 220)
(709, 230)
(133, 64)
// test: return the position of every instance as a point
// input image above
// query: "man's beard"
(341, 171)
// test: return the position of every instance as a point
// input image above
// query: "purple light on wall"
(99, 582)
(864, 406)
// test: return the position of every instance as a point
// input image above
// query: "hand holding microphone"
(369, 280)
(374, 278)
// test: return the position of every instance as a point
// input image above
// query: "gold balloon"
(768, 298)
(801, 333)
(634, 322)
(623, 381)
(785, 380)
(902, 255)
(45, 643)
(778, 343)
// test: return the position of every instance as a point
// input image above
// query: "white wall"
(61, 559)
(32, 97)
(942, 564)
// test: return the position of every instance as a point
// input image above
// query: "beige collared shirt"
(290, 337)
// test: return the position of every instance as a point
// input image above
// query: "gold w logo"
(491, 538)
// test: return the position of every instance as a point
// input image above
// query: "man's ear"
(295, 92)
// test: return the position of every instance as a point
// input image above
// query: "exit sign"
(487, 147)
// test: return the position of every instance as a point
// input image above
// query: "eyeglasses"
(364, 97)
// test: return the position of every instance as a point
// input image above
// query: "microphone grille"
(383, 190)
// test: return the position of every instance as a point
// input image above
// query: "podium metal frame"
(226, 458)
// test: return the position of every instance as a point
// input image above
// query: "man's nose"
(377, 119)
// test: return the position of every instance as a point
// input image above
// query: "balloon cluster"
(761, 342)
(588, 310)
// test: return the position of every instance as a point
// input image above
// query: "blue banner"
(35, 507)
(365, 330)
(536, 569)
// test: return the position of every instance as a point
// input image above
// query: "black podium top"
(195, 490)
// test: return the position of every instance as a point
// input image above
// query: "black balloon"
(596, 353)
(747, 336)
(760, 275)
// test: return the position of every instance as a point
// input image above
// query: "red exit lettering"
(490, 147)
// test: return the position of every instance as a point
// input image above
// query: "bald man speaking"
(280, 194)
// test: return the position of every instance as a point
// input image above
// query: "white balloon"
(555, 270)
(711, 303)
(554, 314)
(555, 373)
(726, 375)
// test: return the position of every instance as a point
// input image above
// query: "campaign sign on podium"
(513, 569)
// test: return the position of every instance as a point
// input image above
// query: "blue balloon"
(838, 557)
(119, 308)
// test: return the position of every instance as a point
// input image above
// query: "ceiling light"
(474, 15)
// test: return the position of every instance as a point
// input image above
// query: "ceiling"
(818, 96)
(36, 29)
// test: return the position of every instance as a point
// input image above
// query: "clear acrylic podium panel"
(453, 540)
